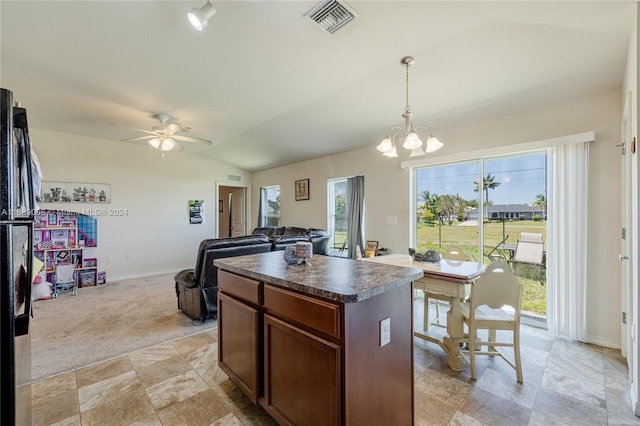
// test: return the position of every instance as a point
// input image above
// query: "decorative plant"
(55, 194)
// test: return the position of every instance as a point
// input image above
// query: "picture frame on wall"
(302, 189)
(370, 248)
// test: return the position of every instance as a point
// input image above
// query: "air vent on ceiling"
(331, 15)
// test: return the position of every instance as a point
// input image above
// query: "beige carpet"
(104, 322)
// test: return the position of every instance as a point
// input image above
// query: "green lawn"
(534, 299)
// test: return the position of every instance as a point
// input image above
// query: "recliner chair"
(197, 288)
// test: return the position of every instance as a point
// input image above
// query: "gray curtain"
(260, 212)
(355, 214)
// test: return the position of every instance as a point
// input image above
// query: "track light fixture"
(199, 17)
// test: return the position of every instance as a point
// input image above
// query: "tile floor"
(179, 383)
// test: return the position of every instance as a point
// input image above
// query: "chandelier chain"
(407, 108)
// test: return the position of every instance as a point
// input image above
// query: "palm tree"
(424, 196)
(488, 183)
(541, 203)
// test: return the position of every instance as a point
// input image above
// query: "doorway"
(232, 210)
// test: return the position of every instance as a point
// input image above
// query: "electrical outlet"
(129, 256)
(385, 331)
(392, 220)
(110, 258)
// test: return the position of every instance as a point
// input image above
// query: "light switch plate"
(385, 331)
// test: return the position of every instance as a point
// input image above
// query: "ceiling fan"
(164, 137)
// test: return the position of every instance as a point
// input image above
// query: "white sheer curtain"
(568, 170)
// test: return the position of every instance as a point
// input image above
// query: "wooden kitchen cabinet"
(238, 340)
(301, 375)
(311, 360)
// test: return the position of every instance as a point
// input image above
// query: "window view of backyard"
(337, 226)
(271, 205)
(514, 190)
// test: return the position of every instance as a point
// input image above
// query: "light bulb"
(393, 153)
(168, 144)
(433, 144)
(155, 142)
(199, 17)
(385, 146)
(417, 152)
(412, 141)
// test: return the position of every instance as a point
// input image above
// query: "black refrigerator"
(17, 208)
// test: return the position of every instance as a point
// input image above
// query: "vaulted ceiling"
(269, 87)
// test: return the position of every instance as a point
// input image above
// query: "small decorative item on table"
(370, 249)
(304, 251)
(290, 255)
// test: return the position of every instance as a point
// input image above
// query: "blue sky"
(521, 179)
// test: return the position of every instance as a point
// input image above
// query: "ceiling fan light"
(433, 144)
(155, 142)
(199, 17)
(385, 146)
(412, 141)
(168, 144)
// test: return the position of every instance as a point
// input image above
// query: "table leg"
(455, 329)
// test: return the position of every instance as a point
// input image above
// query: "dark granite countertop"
(332, 278)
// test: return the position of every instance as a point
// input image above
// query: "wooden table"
(448, 278)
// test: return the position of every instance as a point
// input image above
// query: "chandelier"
(408, 136)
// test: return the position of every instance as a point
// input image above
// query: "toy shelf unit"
(61, 240)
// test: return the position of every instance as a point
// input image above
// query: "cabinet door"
(302, 375)
(238, 334)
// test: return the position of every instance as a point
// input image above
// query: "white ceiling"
(270, 88)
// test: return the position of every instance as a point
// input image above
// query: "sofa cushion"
(294, 230)
(268, 230)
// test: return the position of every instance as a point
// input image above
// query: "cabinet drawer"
(317, 314)
(240, 287)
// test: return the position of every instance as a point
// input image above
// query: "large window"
(270, 208)
(486, 219)
(337, 216)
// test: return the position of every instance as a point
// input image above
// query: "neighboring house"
(509, 212)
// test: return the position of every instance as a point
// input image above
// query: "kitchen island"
(327, 343)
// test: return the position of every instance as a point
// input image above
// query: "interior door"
(237, 212)
(625, 241)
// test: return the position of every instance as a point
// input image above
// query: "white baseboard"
(603, 341)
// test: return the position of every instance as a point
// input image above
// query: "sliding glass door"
(485, 207)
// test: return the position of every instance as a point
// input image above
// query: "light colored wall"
(153, 190)
(387, 189)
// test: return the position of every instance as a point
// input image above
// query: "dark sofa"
(282, 236)
(197, 288)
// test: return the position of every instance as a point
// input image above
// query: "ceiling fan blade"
(192, 139)
(140, 138)
(133, 128)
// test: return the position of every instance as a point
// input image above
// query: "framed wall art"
(302, 189)
(196, 211)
